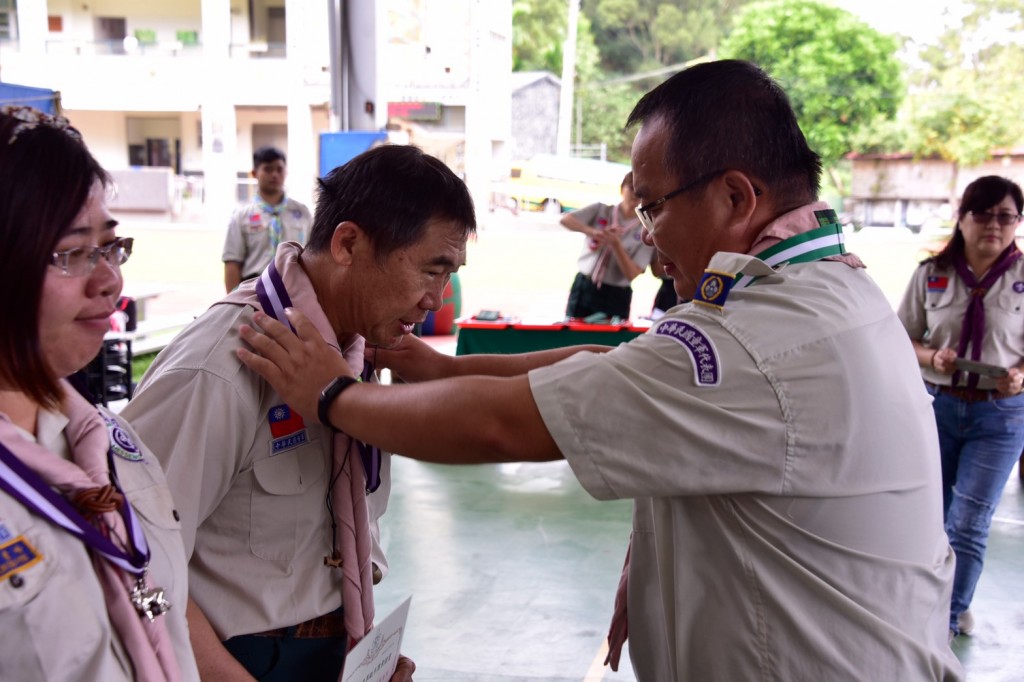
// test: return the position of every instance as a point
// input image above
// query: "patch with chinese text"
(17, 555)
(706, 369)
(287, 430)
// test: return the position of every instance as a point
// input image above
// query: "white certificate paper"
(375, 658)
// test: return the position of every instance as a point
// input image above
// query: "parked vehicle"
(561, 184)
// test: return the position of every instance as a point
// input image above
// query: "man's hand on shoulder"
(298, 365)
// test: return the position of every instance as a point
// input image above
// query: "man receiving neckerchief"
(279, 512)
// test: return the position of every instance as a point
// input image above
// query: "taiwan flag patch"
(936, 284)
(287, 430)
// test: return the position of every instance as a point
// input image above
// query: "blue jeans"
(980, 442)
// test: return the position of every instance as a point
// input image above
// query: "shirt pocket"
(54, 598)
(286, 499)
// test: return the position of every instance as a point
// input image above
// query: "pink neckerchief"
(146, 642)
(796, 222)
(284, 284)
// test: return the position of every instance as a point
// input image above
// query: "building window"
(8, 20)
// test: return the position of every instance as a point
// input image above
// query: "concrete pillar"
(302, 18)
(220, 137)
(33, 29)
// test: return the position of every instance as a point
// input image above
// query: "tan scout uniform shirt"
(254, 521)
(784, 463)
(248, 237)
(54, 622)
(933, 307)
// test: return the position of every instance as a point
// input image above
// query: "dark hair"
(391, 192)
(980, 195)
(730, 114)
(267, 155)
(46, 174)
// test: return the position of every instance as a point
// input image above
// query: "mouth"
(407, 327)
(99, 321)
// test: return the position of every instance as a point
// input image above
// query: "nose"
(647, 237)
(434, 298)
(105, 279)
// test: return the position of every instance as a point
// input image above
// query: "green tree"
(841, 75)
(962, 98)
(638, 35)
(538, 31)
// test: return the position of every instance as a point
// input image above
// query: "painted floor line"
(597, 667)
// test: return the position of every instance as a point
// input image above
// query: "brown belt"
(328, 625)
(971, 395)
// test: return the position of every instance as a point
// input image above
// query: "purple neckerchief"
(29, 488)
(369, 453)
(973, 329)
(273, 298)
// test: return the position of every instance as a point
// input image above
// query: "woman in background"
(613, 256)
(967, 302)
(93, 574)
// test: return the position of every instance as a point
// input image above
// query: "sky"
(922, 20)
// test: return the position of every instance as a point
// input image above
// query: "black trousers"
(586, 299)
(286, 658)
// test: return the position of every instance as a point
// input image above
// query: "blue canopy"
(40, 98)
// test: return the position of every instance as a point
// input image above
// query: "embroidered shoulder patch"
(121, 443)
(706, 369)
(287, 430)
(714, 288)
(17, 555)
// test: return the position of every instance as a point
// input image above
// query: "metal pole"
(565, 99)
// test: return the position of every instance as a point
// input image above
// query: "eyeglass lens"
(985, 217)
(82, 260)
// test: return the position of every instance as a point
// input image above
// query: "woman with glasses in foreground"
(92, 570)
(964, 311)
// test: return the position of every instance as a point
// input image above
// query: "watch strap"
(328, 395)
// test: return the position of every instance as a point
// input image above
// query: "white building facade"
(172, 96)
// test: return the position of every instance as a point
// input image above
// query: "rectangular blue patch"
(289, 442)
(17, 555)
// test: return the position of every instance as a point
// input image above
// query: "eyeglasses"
(645, 212)
(81, 261)
(985, 217)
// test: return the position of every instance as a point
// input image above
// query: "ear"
(253, 172)
(741, 195)
(345, 242)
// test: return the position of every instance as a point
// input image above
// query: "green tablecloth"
(473, 341)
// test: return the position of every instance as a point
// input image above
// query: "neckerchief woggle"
(28, 487)
(276, 228)
(274, 298)
(822, 242)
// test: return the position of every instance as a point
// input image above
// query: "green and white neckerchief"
(822, 242)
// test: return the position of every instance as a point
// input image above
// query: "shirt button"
(177, 516)
(17, 580)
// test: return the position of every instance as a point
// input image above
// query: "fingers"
(257, 363)
(404, 670)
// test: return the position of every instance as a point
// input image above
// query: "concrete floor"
(513, 569)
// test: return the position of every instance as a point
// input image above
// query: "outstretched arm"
(415, 360)
(462, 420)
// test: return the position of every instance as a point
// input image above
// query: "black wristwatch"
(327, 396)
